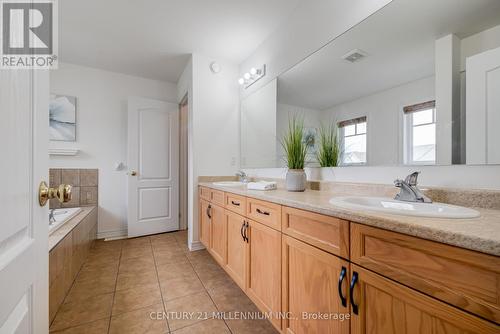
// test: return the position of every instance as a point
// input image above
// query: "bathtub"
(61, 216)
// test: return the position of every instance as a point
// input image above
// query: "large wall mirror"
(417, 83)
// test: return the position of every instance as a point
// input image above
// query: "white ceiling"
(153, 38)
(399, 40)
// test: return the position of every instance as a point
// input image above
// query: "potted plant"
(295, 154)
(328, 153)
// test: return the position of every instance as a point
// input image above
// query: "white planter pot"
(296, 180)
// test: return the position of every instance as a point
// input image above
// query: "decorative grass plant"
(293, 144)
(328, 153)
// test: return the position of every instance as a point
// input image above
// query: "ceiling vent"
(354, 55)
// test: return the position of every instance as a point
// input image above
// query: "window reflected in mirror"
(420, 134)
(353, 141)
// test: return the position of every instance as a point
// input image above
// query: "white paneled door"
(24, 225)
(153, 167)
(483, 108)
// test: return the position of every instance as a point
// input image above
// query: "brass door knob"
(133, 173)
(62, 193)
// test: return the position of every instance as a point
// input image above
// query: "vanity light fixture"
(251, 77)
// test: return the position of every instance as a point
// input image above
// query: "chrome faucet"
(409, 191)
(52, 219)
(242, 176)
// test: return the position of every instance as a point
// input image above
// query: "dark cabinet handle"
(263, 212)
(235, 203)
(245, 231)
(241, 231)
(354, 280)
(341, 280)
(209, 208)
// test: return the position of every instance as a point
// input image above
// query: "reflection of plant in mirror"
(328, 153)
(293, 144)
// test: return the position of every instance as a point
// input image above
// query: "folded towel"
(262, 185)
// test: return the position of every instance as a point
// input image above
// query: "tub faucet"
(409, 191)
(242, 176)
(52, 219)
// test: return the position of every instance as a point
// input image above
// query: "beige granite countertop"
(61, 232)
(480, 234)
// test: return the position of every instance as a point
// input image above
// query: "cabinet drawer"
(236, 203)
(205, 193)
(264, 212)
(325, 232)
(217, 197)
(467, 279)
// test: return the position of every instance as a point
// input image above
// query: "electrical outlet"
(233, 161)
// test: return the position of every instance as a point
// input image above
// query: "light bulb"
(241, 81)
(246, 76)
(253, 71)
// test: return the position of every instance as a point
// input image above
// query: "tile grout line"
(159, 286)
(209, 295)
(114, 292)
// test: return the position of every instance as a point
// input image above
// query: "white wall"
(310, 26)
(101, 132)
(258, 127)
(447, 74)
(384, 118)
(214, 127)
(480, 42)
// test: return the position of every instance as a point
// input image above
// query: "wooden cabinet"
(204, 220)
(387, 307)
(264, 269)
(466, 279)
(235, 203)
(236, 264)
(315, 290)
(264, 212)
(218, 234)
(328, 233)
(205, 193)
(290, 262)
(217, 197)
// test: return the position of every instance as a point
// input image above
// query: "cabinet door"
(236, 248)
(218, 234)
(387, 307)
(315, 290)
(264, 269)
(204, 217)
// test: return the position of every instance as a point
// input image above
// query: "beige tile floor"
(124, 282)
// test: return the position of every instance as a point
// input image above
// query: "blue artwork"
(62, 118)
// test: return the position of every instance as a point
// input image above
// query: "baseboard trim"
(109, 235)
(196, 245)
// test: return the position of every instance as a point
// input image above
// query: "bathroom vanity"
(69, 247)
(310, 264)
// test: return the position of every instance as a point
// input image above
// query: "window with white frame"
(353, 141)
(420, 133)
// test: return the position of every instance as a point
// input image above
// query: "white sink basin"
(228, 183)
(389, 205)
